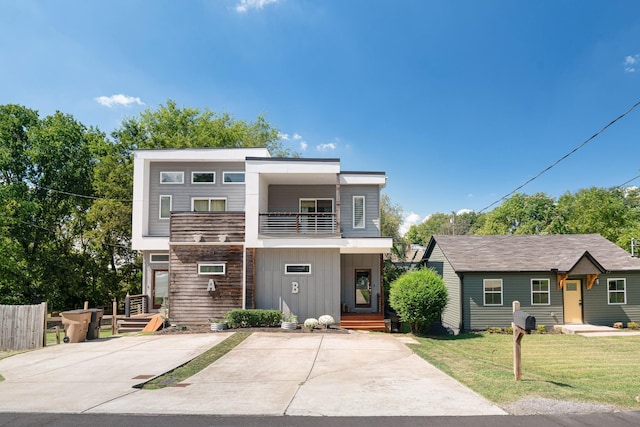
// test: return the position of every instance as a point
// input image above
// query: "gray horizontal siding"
(371, 195)
(183, 193)
(286, 198)
(596, 307)
(515, 287)
(451, 316)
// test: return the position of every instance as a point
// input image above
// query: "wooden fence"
(22, 327)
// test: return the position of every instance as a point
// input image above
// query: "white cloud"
(411, 219)
(464, 211)
(630, 61)
(283, 136)
(330, 146)
(297, 136)
(118, 100)
(244, 5)
(303, 145)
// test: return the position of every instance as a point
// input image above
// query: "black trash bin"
(96, 322)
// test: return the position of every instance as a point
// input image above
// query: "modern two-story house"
(220, 229)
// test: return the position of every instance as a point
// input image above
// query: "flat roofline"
(362, 173)
(293, 159)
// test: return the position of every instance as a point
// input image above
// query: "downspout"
(461, 275)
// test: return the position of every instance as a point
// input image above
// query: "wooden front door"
(363, 288)
(160, 288)
(572, 293)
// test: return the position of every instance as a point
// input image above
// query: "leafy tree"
(521, 214)
(418, 297)
(442, 223)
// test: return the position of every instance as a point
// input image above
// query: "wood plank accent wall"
(22, 326)
(189, 300)
(210, 225)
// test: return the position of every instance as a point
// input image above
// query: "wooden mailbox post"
(522, 324)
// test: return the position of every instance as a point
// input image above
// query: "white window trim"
(364, 220)
(212, 264)
(624, 291)
(232, 183)
(193, 199)
(158, 262)
(286, 266)
(172, 183)
(548, 292)
(160, 206)
(205, 183)
(484, 293)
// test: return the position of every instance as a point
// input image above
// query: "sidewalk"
(268, 374)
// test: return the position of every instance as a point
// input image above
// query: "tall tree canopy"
(65, 196)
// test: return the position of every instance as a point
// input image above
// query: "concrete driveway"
(268, 374)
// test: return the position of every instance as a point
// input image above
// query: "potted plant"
(218, 325)
(289, 321)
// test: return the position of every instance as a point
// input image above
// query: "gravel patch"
(538, 406)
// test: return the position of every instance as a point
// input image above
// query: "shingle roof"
(531, 252)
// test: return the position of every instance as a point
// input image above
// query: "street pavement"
(318, 374)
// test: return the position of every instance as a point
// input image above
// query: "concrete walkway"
(595, 331)
(268, 374)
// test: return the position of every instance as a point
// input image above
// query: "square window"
(540, 292)
(617, 291)
(492, 291)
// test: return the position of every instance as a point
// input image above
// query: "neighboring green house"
(559, 279)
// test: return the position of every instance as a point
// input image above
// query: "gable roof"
(521, 253)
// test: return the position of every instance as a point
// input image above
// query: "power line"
(625, 183)
(81, 195)
(563, 157)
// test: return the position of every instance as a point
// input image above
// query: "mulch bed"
(201, 329)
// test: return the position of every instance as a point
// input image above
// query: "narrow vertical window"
(358, 212)
(165, 207)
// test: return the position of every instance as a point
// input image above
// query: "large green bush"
(418, 297)
(253, 318)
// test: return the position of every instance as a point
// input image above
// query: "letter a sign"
(211, 286)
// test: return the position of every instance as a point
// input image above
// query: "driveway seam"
(306, 378)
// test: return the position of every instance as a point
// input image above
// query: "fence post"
(44, 331)
(114, 317)
(127, 306)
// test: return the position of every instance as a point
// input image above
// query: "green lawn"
(568, 367)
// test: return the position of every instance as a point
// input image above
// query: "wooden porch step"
(363, 321)
(135, 324)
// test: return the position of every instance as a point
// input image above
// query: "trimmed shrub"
(418, 297)
(542, 329)
(326, 320)
(508, 330)
(632, 325)
(253, 318)
(311, 323)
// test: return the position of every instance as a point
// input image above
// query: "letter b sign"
(295, 287)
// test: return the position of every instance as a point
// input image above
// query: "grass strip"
(197, 364)
(565, 367)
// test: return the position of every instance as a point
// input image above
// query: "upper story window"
(358, 212)
(203, 177)
(208, 205)
(492, 291)
(165, 207)
(233, 177)
(171, 177)
(540, 292)
(316, 205)
(617, 291)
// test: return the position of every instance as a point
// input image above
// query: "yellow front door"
(572, 292)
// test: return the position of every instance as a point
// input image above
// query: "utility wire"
(563, 157)
(81, 195)
(626, 182)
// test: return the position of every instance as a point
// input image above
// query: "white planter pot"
(218, 326)
(289, 325)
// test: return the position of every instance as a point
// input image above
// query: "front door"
(160, 289)
(572, 292)
(363, 288)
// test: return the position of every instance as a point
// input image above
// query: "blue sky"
(460, 102)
